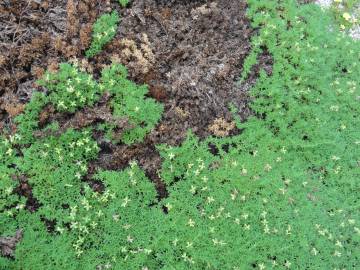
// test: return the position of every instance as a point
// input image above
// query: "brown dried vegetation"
(221, 128)
(72, 22)
(37, 35)
(7, 244)
(137, 56)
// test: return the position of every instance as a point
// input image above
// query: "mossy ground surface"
(282, 192)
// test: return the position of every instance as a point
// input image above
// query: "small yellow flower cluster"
(187, 258)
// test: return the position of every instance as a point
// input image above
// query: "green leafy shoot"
(129, 101)
(70, 89)
(104, 30)
(124, 3)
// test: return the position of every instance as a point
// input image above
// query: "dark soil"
(198, 46)
(199, 49)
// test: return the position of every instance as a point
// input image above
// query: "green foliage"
(282, 194)
(314, 118)
(129, 101)
(27, 122)
(70, 89)
(41, 250)
(124, 3)
(250, 61)
(104, 30)
(346, 13)
(110, 220)
(10, 203)
(55, 166)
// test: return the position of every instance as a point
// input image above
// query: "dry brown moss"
(221, 128)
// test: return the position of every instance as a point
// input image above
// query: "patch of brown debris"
(8, 243)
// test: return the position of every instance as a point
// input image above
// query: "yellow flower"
(191, 223)
(342, 27)
(168, 206)
(346, 16)
(337, 1)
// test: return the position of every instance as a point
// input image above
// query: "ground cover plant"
(104, 30)
(123, 3)
(282, 193)
(346, 13)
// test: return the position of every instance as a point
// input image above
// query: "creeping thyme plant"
(281, 195)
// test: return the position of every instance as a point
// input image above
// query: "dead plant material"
(24, 189)
(199, 48)
(83, 7)
(138, 57)
(158, 92)
(3, 60)
(203, 10)
(182, 112)
(45, 115)
(85, 66)
(88, 116)
(107, 6)
(58, 44)
(8, 244)
(88, 10)
(13, 109)
(45, 4)
(30, 52)
(85, 36)
(37, 71)
(53, 65)
(71, 51)
(221, 128)
(72, 23)
(165, 13)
